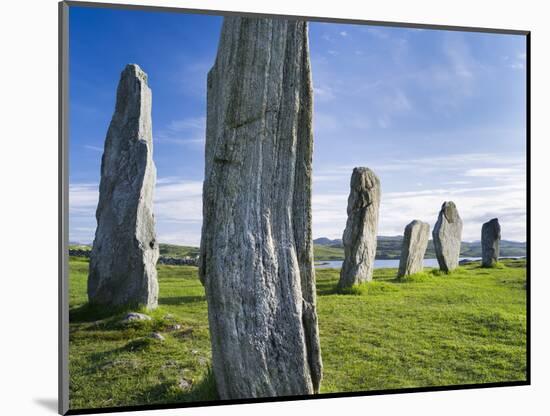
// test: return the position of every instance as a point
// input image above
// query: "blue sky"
(438, 115)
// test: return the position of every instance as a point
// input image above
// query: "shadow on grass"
(170, 392)
(178, 300)
(91, 312)
(105, 359)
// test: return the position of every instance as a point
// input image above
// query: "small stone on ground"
(135, 316)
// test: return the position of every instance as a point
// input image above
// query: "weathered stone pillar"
(361, 228)
(490, 243)
(447, 236)
(125, 251)
(415, 242)
(256, 259)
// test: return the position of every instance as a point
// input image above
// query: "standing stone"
(490, 243)
(256, 260)
(361, 228)
(125, 251)
(415, 242)
(447, 236)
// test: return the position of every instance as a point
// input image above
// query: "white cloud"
(486, 186)
(343, 33)
(378, 33)
(177, 204)
(460, 59)
(190, 78)
(323, 93)
(396, 101)
(186, 132)
(93, 148)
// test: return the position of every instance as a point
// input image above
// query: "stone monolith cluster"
(415, 242)
(256, 259)
(125, 251)
(490, 242)
(360, 234)
(447, 236)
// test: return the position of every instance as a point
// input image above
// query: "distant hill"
(173, 250)
(165, 250)
(389, 247)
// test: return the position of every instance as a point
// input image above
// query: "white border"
(28, 169)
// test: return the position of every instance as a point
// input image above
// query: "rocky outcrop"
(415, 242)
(125, 251)
(171, 261)
(447, 236)
(361, 228)
(490, 242)
(256, 260)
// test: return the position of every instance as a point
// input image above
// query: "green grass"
(172, 250)
(321, 253)
(430, 329)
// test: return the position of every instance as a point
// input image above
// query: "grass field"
(429, 330)
(327, 253)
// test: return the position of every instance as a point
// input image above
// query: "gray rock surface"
(359, 238)
(158, 336)
(490, 242)
(256, 259)
(125, 251)
(415, 242)
(136, 316)
(447, 236)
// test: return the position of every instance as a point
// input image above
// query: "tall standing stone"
(125, 251)
(415, 242)
(490, 243)
(359, 237)
(447, 236)
(256, 259)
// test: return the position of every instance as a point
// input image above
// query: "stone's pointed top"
(448, 204)
(415, 242)
(134, 71)
(447, 236)
(364, 177)
(363, 170)
(415, 222)
(450, 211)
(490, 242)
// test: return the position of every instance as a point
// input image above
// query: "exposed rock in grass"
(175, 327)
(125, 252)
(361, 228)
(256, 259)
(447, 236)
(490, 243)
(136, 316)
(184, 333)
(184, 384)
(158, 336)
(415, 242)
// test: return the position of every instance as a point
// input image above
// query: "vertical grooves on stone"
(124, 253)
(359, 238)
(255, 227)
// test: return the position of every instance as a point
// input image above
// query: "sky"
(438, 115)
